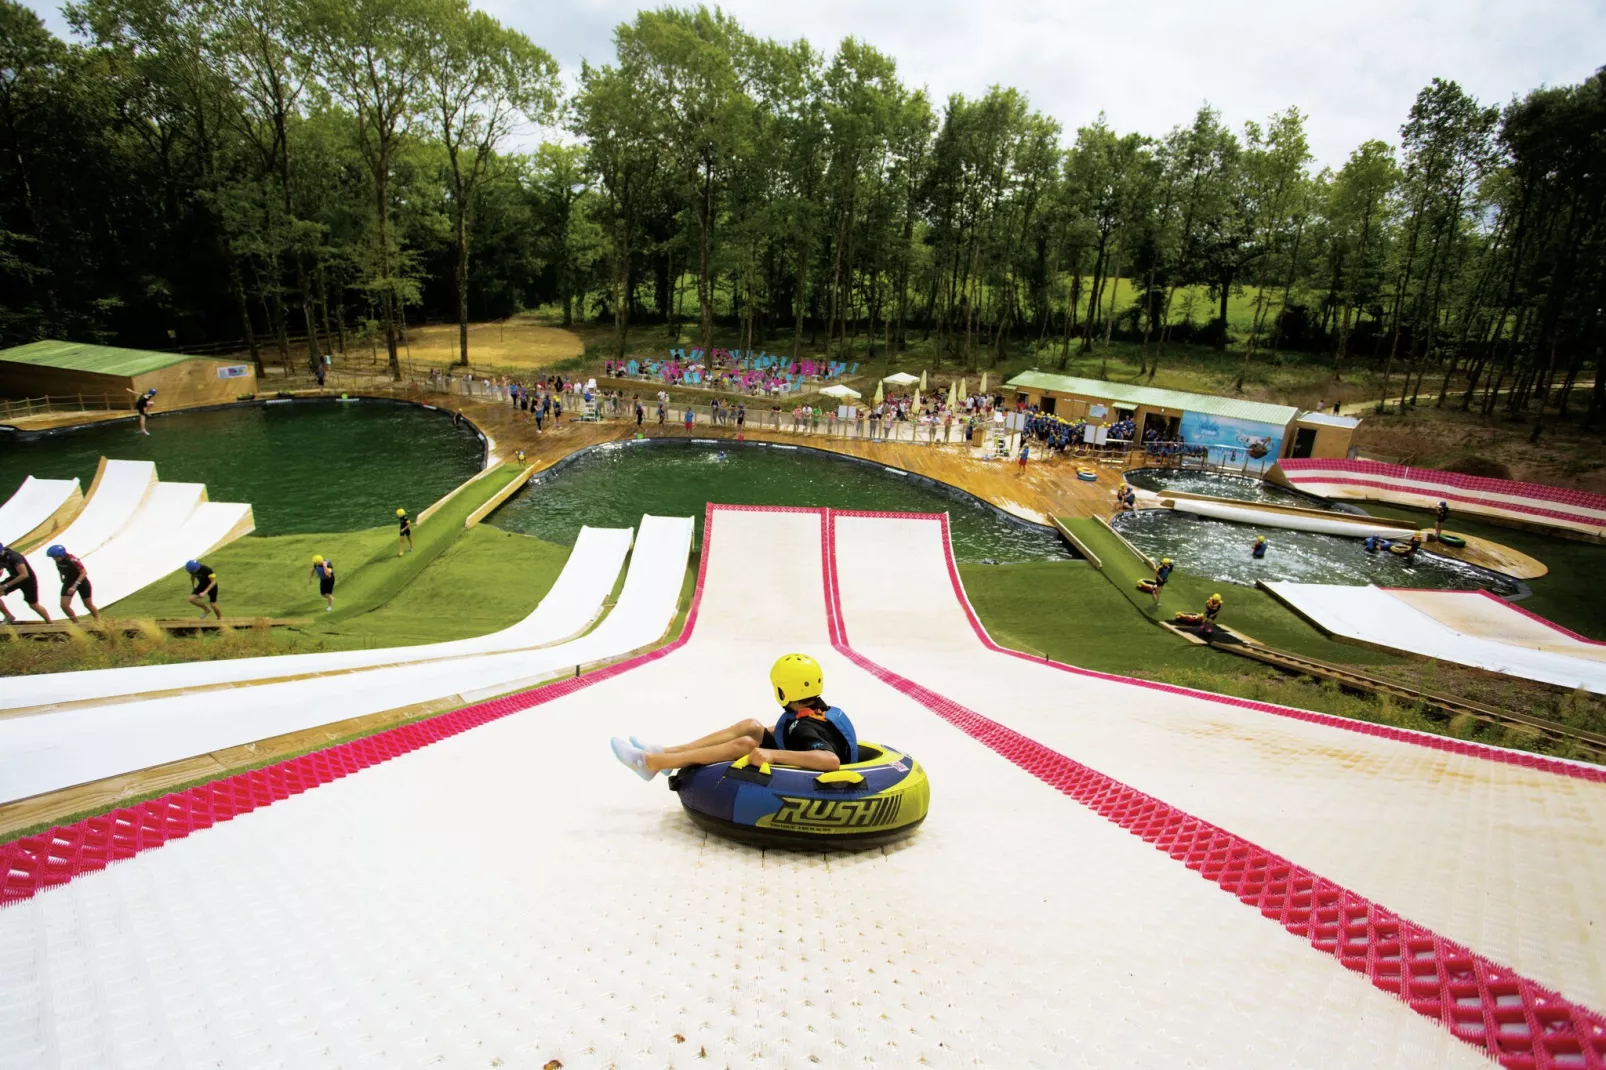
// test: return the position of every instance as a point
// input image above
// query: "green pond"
(303, 466)
(613, 486)
(1220, 550)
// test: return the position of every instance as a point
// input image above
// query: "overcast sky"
(1353, 66)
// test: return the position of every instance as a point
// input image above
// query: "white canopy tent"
(837, 390)
(901, 379)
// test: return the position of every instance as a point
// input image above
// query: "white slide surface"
(1372, 615)
(1481, 614)
(571, 605)
(1501, 857)
(1271, 518)
(511, 896)
(33, 503)
(110, 509)
(54, 749)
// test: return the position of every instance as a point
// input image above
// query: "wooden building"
(1234, 430)
(109, 377)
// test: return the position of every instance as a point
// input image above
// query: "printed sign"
(1232, 440)
(233, 371)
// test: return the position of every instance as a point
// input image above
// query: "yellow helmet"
(1215, 598)
(401, 512)
(1165, 560)
(317, 559)
(795, 678)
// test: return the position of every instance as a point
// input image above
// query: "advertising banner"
(1231, 441)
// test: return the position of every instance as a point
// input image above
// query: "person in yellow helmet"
(404, 541)
(1161, 575)
(811, 733)
(1207, 627)
(323, 571)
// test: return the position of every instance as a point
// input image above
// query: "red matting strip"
(1577, 770)
(32, 864)
(1516, 1021)
(1310, 468)
(1449, 495)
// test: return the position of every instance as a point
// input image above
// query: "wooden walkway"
(42, 630)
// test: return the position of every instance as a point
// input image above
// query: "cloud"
(1353, 67)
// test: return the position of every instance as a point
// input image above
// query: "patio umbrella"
(837, 390)
(901, 379)
(983, 382)
(878, 394)
(953, 395)
(922, 378)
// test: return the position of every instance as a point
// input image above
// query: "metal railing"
(16, 408)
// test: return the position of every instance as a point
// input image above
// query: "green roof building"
(110, 376)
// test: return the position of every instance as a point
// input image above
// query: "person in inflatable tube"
(811, 734)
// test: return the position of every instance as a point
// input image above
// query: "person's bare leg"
(728, 751)
(823, 760)
(750, 729)
(93, 610)
(44, 614)
(196, 600)
(66, 608)
(216, 610)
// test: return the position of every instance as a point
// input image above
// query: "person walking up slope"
(74, 581)
(204, 593)
(19, 577)
(323, 571)
(404, 536)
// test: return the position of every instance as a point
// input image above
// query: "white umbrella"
(953, 395)
(837, 390)
(983, 390)
(878, 394)
(901, 379)
(922, 378)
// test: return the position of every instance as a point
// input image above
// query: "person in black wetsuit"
(1440, 515)
(142, 405)
(404, 536)
(811, 734)
(204, 582)
(19, 577)
(74, 581)
(323, 570)
(1258, 550)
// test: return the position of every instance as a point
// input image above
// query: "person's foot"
(328, 609)
(649, 748)
(633, 757)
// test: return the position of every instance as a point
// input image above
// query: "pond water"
(614, 486)
(1220, 550)
(1238, 488)
(303, 466)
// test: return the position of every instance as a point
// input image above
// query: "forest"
(296, 176)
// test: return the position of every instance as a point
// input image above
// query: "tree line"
(308, 174)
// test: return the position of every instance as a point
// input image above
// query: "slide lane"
(571, 605)
(119, 491)
(34, 503)
(1372, 615)
(576, 914)
(1486, 616)
(1270, 518)
(47, 751)
(1507, 859)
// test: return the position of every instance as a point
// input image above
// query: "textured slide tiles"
(1494, 851)
(46, 751)
(510, 895)
(115, 499)
(571, 605)
(1373, 615)
(35, 502)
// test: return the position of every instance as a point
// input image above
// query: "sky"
(1352, 66)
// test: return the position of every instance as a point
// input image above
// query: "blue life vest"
(835, 718)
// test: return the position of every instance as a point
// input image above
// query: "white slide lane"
(1480, 614)
(1371, 615)
(1505, 859)
(511, 896)
(33, 503)
(1271, 518)
(55, 749)
(574, 601)
(111, 507)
